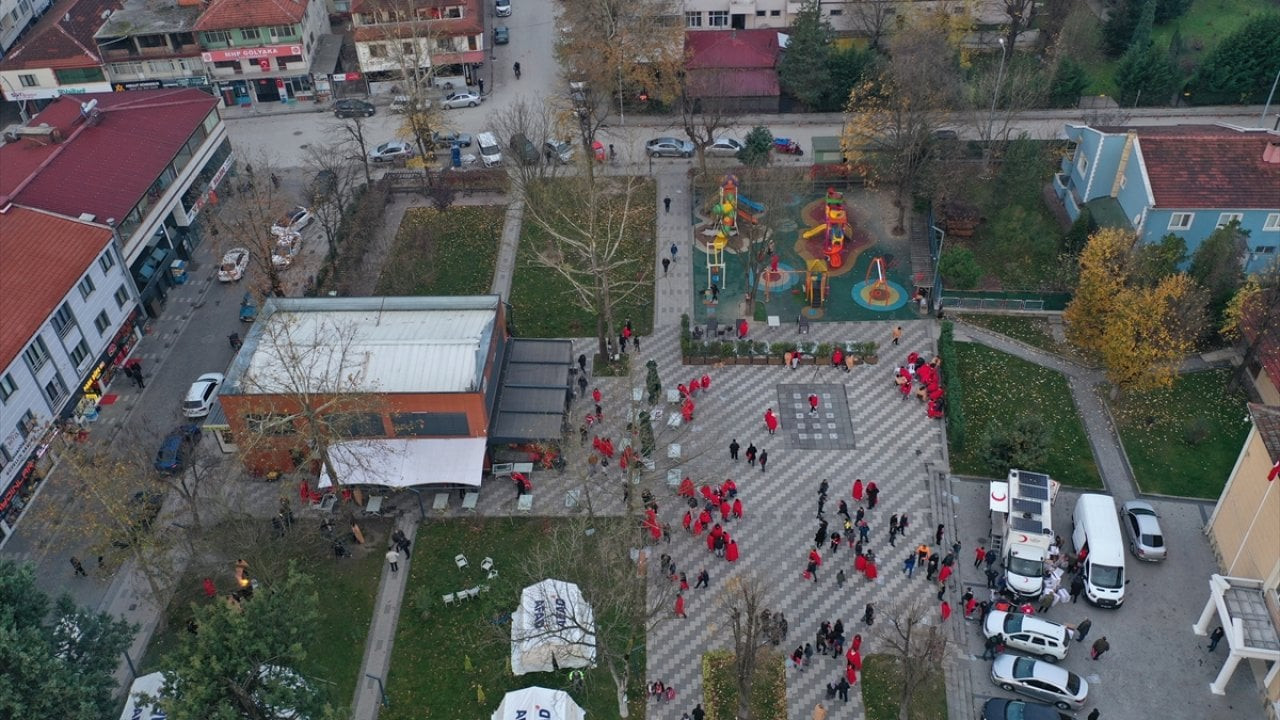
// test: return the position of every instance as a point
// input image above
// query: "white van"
(490, 151)
(1095, 532)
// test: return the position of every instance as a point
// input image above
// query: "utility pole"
(995, 96)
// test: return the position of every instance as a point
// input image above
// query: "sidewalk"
(371, 684)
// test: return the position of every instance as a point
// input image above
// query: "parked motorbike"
(787, 146)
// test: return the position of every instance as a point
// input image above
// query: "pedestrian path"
(382, 630)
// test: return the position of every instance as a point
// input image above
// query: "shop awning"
(407, 462)
(328, 53)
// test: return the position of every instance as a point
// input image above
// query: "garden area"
(768, 688)
(454, 662)
(1184, 440)
(882, 688)
(544, 303)
(1000, 392)
(1029, 329)
(450, 252)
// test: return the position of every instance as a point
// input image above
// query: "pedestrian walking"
(946, 610)
(902, 525)
(704, 579)
(942, 591)
(909, 565)
(822, 501)
(873, 496)
(813, 404)
(666, 203)
(937, 535)
(1083, 629)
(666, 265)
(1100, 646)
(991, 557)
(868, 615)
(79, 570)
(674, 249)
(857, 489)
(992, 575)
(733, 450)
(1094, 715)
(842, 689)
(897, 334)
(979, 555)
(945, 574)
(1214, 637)
(864, 530)
(680, 605)
(843, 509)
(823, 487)
(840, 578)
(764, 459)
(1077, 586)
(393, 558)
(932, 568)
(751, 454)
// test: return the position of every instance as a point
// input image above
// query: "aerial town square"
(699, 360)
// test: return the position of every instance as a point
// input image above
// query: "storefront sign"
(346, 77)
(265, 51)
(28, 469)
(16, 94)
(213, 185)
(184, 82)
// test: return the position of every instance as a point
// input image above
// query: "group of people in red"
(688, 391)
(722, 499)
(926, 377)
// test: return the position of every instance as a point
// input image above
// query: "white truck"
(1022, 528)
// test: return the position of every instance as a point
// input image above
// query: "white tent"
(554, 627)
(538, 703)
(134, 708)
(401, 462)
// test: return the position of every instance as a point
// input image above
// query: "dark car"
(1002, 709)
(353, 108)
(143, 508)
(172, 455)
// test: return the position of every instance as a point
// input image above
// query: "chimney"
(1271, 154)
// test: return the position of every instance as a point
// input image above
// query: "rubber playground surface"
(866, 270)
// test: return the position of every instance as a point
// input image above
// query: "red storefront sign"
(250, 53)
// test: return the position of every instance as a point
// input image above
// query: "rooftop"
(63, 38)
(104, 166)
(385, 345)
(149, 17)
(42, 257)
(1267, 419)
(732, 49)
(232, 14)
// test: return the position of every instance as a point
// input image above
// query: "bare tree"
(333, 178)
(743, 602)
(918, 645)
(756, 241)
(873, 18)
(704, 113)
(1020, 13)
(245, 219)
(535, 123)
(352, 143)
(997, 100)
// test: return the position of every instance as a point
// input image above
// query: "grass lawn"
(1156, 427)
(435, 645)
(1033, 331)
(881, 687)
(768, 687)
(449, 253)
(544, 304)
(997, 388)
(1206, 23)
(346, 590)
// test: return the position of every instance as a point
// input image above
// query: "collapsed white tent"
(538, 703)
(554, 627)
(134, 708)
(400, 462)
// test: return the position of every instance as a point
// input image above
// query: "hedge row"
(951, 381)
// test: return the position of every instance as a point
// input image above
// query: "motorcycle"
(786, 146)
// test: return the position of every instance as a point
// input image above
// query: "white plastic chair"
(449, 599)
(461, 560)
(486, 564)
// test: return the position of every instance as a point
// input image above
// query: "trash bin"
(178, 272)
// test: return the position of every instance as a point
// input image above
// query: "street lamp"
(995, 95)
(1262, 121)
(937, 265)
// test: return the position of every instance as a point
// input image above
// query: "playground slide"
(742, 213)
(755, 206)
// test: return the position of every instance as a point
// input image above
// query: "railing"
(1027, 301)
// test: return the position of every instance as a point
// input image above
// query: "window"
(86, 287)
(837, 13)
(28, 80)
(79, 353)
(37, 353)
(284, 61)
(1226, 219)
(276, 425)
(775, 13)
(107, 261)
(122, 297)
(62, 320)
(7, 387)
(718, 18)
(357, 425)
(26, 424)
(1181, 221)
(152, 41)
(280, 31)
(761, 13)
(55, 390)
(377, 50)
(693, 19)
(232, 65)
(1265, 249)
(1272, 223)
(1082, 162)
(250, 33)
(76, 76)
(6, 457)
(429, 424)
(102, 322)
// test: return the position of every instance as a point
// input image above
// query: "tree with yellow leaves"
(1104, 275)
(1148, 332)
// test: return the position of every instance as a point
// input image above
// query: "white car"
(502, 8)
(461, 100)
(233, 265)
(201, 395)
(1040, 680)
(724, 147)
(293, 222)
(1045, 639)
(287, 247)
(393, 150)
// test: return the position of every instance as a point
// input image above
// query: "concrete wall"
(1245, 528)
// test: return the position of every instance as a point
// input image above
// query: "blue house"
(1187, 180)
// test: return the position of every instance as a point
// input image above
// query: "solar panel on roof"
(1026, 525)
(1034, 507)
(1032, 478)
(1033, 493)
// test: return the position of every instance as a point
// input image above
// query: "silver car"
(724, 147)
(1041, 680)
(461, 100)
(1146, 539)
(669, 147)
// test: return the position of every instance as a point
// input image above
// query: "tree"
(804, 71)
(1118, 28)
(1104, 274)
(756, 241)
(743, 602)
(873, 18)
(1218, 265)
(56, 661)
(704, 120)
(848, 68)
(351, 139)
(1019, 13)
(1070, 79)
(996, 100)
(959, 268)
(1024, 443)
(333, 179)
(1252, 317)
(1145, 77)
(245, 218)
(1153, 262)
(757, 148)
(242, 661)
(1150, 331)
(918, 645)
(1053, 18)
(1242, 67)
(534, 122)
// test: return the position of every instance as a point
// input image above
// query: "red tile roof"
(754, 49)
(1210, 167)
(1267, 419)
(103, 167)
(42, 257)
(232, 14)
(714, 83)
(63, 38)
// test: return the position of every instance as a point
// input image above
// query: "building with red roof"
(59, 55)
(734, 70)
(151, 44)
(1185, 180)
(264, 50)
(444, 35)
(69, 322)
(143, 162)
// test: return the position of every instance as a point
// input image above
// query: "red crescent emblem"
(1023, 538)
(998, 498)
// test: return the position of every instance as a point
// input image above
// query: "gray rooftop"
(149, 17)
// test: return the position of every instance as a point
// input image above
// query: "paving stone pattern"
(829, 428)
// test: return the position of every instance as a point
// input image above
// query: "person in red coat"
(860, 563)
(704, 517)
(595, 395)
(946, 609)
(680, 605)
(944, 573)
(737, 508)
(837, 359)
(697, 527)
(694, 386)
(706, 382)
(770, 421)
(731, 551)
(853, 658)
(870, 571)
(686, 410)
(686, 487)
(851, 675)
(815, 558)
(729, 488)
(688, 519)
(857, 489)
(684, 390)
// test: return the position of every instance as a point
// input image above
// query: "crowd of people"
(923, 379)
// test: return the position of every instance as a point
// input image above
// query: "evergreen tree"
(1117, 31)
(1069, 83)
(848, 68)
(804, 71)
(1241, 68)
(756, 147)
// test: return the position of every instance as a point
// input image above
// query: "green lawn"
(881, 687)
(434, 645)
(544, 304)
(1033, 331)
(346, 589)
(997, 388)
(768, 687)
(449, 253)
(1157, 429)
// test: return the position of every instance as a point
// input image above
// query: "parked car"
(449, 138)
(1005, 709)
(353, 108)
(558, 151)
(389, 151)
(724, 147)
(172, 455)
(1146, 539)
(234, 263)
(462, 99)
(502, 8)
(1040, 680)
(501, 35)
(669, 147)
(144, 506)
(293, 222)
(201, 395)
(1043, 638)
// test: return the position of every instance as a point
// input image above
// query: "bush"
(959, 269)
(652, 382)
(1024, 444)
(646, 434)
(951, 381)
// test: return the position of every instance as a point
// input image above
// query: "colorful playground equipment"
(815, 283)
(877, 283)
(836, 228)
(725, 213)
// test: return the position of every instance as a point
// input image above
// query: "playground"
(830, 257)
